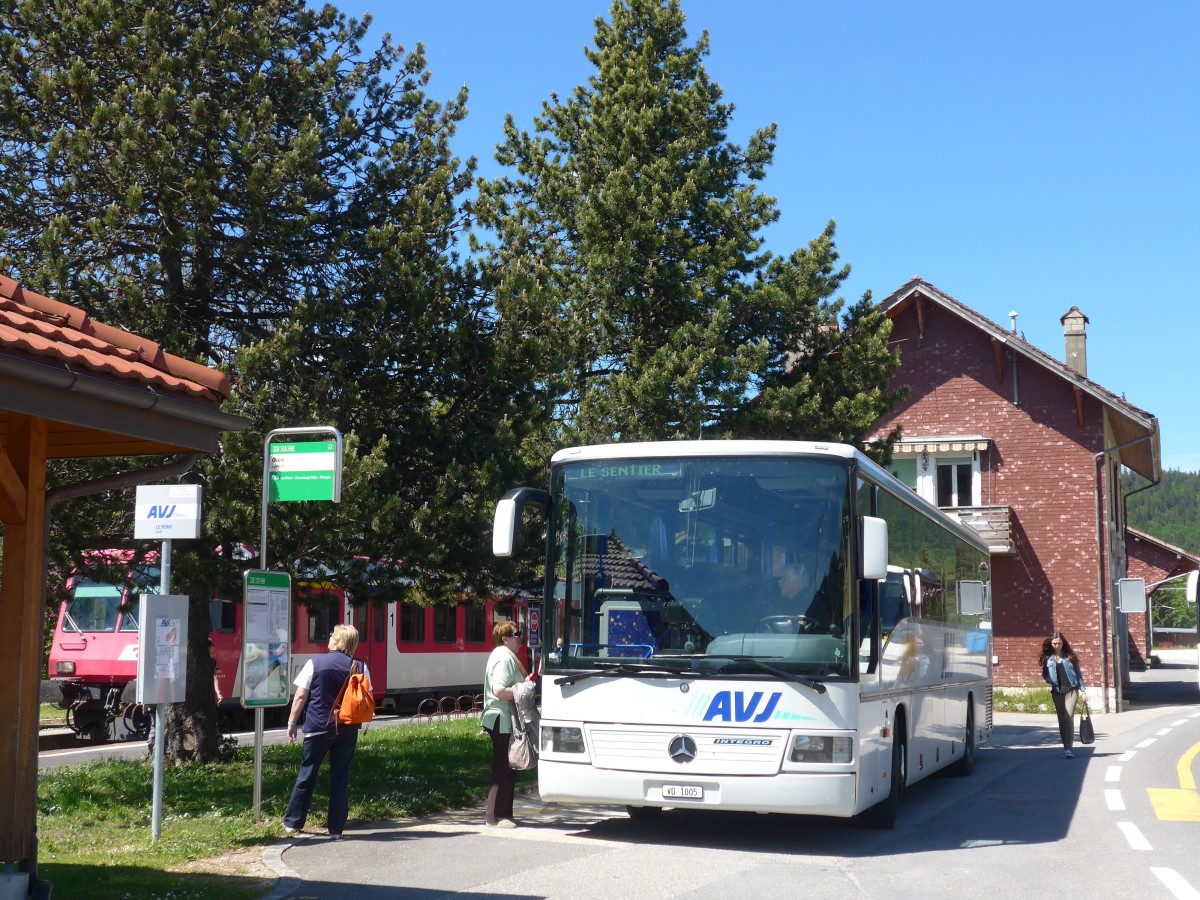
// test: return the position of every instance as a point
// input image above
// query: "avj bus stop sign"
(305, 470)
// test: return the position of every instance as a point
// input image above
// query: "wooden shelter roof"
(104, 391)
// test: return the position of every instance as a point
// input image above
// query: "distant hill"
(1170, 511)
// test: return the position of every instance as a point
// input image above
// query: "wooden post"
(23, 485)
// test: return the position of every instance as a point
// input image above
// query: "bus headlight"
(816, 748)
(557, 739)
(65, 668)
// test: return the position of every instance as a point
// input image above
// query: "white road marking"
(1114, 800)
(1164, 732)
(1113, 773)
(1176, 883)
(1146, 743)
(1134, 836)
(1178, 722)
(1127, 756)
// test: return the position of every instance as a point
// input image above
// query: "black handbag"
(1087, 734)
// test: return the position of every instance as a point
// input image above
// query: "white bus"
(765, 626)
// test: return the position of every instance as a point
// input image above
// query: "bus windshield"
(670, 562)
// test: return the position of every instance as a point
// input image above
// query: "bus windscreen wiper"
(633, 592)
(811, 683)
(629, 670)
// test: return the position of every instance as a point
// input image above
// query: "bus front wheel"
(644, 812)
(883, 813)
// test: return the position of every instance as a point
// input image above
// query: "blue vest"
(330, 671)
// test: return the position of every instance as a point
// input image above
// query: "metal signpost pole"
(160, 710)
(303, 470)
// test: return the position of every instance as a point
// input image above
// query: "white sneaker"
(1067, 754)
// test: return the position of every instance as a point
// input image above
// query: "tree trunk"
(193, 731)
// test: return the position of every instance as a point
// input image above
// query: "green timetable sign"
(266, 638)
(304, 470)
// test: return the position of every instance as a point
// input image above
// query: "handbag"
(1087, 734)
(522, 755)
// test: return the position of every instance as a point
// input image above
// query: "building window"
(955, 482)
(906, 470)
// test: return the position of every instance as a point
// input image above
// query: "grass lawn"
(94, 820)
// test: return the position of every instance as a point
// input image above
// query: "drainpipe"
(1111, 606)
(82, 489)
(1148, 638)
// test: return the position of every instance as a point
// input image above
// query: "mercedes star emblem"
(682, 748)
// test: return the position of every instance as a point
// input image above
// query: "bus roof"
(596, 452)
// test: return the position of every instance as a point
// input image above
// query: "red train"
(414, 652)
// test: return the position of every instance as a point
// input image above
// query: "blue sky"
(1025, 156)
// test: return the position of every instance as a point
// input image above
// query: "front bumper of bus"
(807, 793)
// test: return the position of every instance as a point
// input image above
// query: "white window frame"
(927, 472)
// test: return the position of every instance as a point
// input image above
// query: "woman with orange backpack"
(315, 712)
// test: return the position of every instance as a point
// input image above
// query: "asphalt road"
(1027, 822)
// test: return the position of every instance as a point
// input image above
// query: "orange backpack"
(355, 704)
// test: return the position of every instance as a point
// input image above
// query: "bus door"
(371, 622)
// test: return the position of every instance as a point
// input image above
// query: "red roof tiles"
(40, 327)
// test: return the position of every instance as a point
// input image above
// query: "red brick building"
(1158, 564)
(1027, 450)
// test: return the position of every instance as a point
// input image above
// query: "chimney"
(1075, 332)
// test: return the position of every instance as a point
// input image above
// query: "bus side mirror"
(873, 548)
(508, 518)
(1192, 578)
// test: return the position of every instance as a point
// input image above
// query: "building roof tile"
(40, 327)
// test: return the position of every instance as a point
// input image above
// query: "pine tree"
(242, 183)
(629, 242)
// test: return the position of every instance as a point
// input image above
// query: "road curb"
(289, 879)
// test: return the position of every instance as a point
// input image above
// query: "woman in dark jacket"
(1060, 669)
(317, 688)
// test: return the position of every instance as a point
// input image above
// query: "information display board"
(266, 639)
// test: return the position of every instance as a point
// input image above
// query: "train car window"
(320, 623)
(223, 615)
(445, 619)
(476, 624)
(412, 623)
(380, 634)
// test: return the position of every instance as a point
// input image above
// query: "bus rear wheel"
(966, 763)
